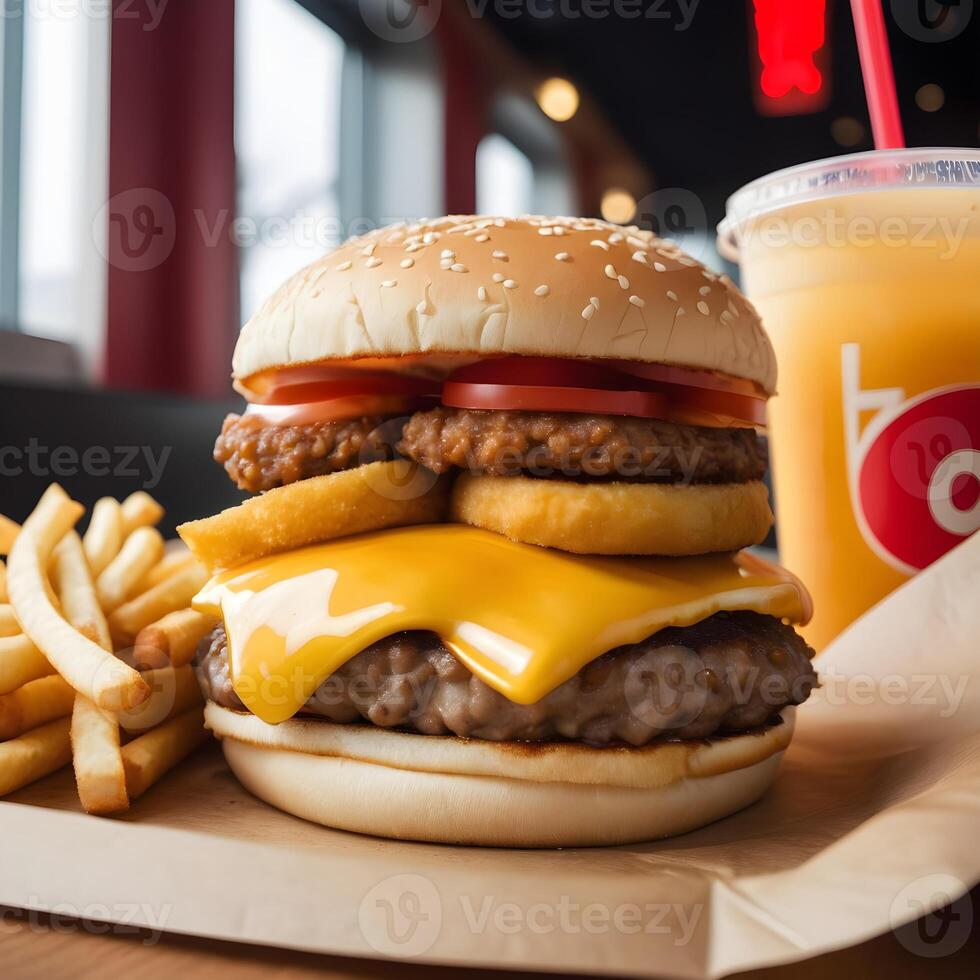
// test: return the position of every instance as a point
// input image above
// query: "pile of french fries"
(96, 639)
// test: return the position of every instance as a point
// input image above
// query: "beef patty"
(259, 456)
(507, 443)
(729, 673)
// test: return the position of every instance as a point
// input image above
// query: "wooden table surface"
(35, 946)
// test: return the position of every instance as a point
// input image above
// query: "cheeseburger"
(491, 589)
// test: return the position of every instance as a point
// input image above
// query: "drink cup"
(866, 272)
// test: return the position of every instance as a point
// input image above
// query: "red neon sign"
(791, 57)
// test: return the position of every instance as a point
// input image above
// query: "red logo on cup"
(915, 468)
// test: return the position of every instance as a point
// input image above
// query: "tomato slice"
(691, 378)
(332, 409)
(549, 372)
(349, 385)
(613, 388)
(553, 398)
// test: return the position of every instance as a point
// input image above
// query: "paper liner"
(872, 822)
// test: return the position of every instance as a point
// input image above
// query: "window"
(64, 151)
(522, 165)
(287, 141)
(504, 178)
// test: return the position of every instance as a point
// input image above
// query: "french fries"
(84, 664)
(33, 704)
(171, 594)
(20, 663)
(34, 755)
(174, 559)
(8, 532)
(73, 584)
(173, 639)
(142, 550)
(148, 757)
(174, 692)
(9, 624)
(139, 510)
(104, 536)
(99, 772)
(65, 694)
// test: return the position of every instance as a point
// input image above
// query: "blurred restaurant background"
(165, 164)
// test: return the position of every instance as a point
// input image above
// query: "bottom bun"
(437, 788)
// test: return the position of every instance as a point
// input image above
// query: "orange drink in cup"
(866, 271)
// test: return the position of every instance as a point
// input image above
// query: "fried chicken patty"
(259, 456)
(731, 672)
(508, 443)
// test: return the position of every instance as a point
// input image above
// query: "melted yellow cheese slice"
(523, 619)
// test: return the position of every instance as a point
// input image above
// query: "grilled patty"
(259, 456)
(731, 672)
(508, 443)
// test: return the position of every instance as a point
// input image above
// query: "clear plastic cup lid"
(837, 176)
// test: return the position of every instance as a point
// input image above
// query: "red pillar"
(173, 267)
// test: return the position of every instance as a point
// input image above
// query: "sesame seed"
(703, 308)
(636, 301)
(388, 283)
(447, 253)
(704, 290)
(660, 267)
(420, 307)
(545, 231)
(588, 312)
(372, 262)
(414, 247)
(344, 266)
(562, 256)
(407, 263)
(497, 277)
(672, 295)
(497, 254)
(594, 300)
(459, 267)
(615, 238)
(610, 272)
(482, 238)
(680, 311)
(624, 283)
(542, 290)
(640, 256)
(600, 244)
(429, 237)
(369, 249)
(510, 284)
(481, 294)
(446, 264)
(559, 230)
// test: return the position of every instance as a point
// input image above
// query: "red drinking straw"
(879, 76)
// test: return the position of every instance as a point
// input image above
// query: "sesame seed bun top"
(484, 286)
